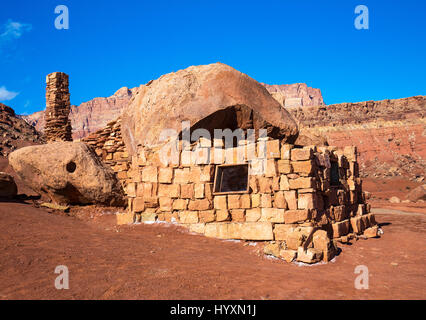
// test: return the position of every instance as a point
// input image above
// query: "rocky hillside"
(390, 134)
(15, 132)
(90, 116)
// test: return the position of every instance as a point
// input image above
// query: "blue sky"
(111, 44)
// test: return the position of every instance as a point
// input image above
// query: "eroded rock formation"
(196, 93)
(68, 173)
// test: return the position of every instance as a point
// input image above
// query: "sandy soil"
(165, 262)
(162, 261)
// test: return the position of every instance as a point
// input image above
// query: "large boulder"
(8, 188)
(417, 194)
(208, 96)
(68, 173)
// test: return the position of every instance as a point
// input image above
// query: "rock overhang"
(194, 94)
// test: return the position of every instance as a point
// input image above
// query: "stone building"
(299, 200)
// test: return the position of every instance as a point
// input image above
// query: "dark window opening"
(334, 174)
(231, 179)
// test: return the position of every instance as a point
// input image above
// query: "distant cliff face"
(390, 134)
(15, 132)
(295, 95)
(90, 116)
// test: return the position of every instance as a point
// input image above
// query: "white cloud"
(6, 94)
(12, 30)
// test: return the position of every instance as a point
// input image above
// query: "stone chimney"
(57, 123)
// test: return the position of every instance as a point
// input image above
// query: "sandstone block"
(265, 185)
(169, 190)
(288, 255)
(220, 203)
(301, 183)
(234, 201)
(301, 154)
(282, 231)
(199, 205)
(199, 190)
(131, 189)
(255, 200)
(266, 200)
(180, 204)
(238, 215)
(138, 204)
(165, 175)
(311, 255)
(195, 174)
(148, 216)
(206, 174)
(222, 215)
(286, 151)
(188, 216)
(171, 217)
(182, 175)
(223, 230)
(306, 201)
(253, 215)
(272, 215)
(270, 168)
(291, 199)
(371, 232)
(321, 240)
(207, 216)
(284, 184)
(303, 167)
(284, 166)
(256, 231)
(293, 216)
(276, 183)
(166, 204)
(245, 201)
(253, 184)
(187, 191)
(358, 224)
(149, 174)
(279, 200)
(272, 248)
(273, 149)
(340, 228)
(197, 228)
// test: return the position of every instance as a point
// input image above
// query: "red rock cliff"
(390, 134)
(90, 116)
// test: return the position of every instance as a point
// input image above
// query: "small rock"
(371, 232)
(394, 200)
(55, 206)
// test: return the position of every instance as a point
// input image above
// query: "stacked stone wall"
(292, 204)
(58, 125)
(109, 147)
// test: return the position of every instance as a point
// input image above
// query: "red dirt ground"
(165, 262)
